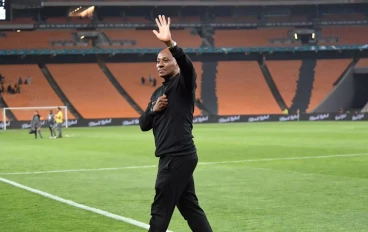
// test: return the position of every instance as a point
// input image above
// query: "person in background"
(20, 81)
(36, 125)
(17, 90)
(52, 123)
(29, 80)
(10, 89)
(59, 122)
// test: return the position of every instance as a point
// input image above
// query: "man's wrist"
(170, 44)
(151, 112)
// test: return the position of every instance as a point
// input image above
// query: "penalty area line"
(200, 163)
(77, 205)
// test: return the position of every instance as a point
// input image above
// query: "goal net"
(26, 114)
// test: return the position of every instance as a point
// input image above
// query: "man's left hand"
(164, 30)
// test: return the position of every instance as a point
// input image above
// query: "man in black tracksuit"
(170, 115)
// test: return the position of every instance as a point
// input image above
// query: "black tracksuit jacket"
(172, 128)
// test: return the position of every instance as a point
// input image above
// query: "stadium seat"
(146, 38)
(242, 89)
(34, 39)
(90, 92)
(326, 73)
(129, 76)
(347, 35)
(285, 74)
(247, 38)
(362, 63)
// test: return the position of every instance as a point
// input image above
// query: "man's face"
(35, 113)
(166, 64)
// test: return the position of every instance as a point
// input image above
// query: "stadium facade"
(256, 60)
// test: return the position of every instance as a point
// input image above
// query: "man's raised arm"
(185, 65)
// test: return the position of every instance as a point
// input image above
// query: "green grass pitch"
(263, 192)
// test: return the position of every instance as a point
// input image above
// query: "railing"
(222, 50)
(179, 25)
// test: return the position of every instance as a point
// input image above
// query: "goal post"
(43, 110)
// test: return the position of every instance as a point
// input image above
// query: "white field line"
(80, 206)
(200, 163)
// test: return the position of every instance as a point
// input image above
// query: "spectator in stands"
(10, 89)
(143, 80)
(150, 78)
(29, 80)
(20, 81)
(154, 82)
(2, 79)
(17, 90)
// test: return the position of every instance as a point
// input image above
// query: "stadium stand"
(90, 92)
(33, 39)
(129, 76)
(362, 63)
(338, 17)
(326, 73)
(352, 34)
(285, 75)
(186, 38)
(37, 94)
(242, 89)
(251, 37)
(19, 20)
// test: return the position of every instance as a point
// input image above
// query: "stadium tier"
(129, 76)
(362, 63)
(90, 91)
(352, 34)
(242, 89)
(37, 93)
(235, 84)
(248, 38)
(285, 74)
(34, 39)
(326, 73)
(145, 39)
(130, 38)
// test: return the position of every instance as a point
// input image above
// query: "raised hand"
(164, 29)
(161, 104)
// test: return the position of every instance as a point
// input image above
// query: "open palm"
(164, 29)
